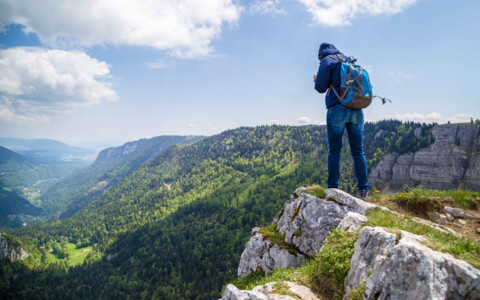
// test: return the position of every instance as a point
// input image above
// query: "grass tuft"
(334, 264)
(316, 190)
(270, 233)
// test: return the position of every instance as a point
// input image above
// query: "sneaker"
(363, 196)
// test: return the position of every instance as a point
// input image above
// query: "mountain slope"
(112, 164)
(175, 227)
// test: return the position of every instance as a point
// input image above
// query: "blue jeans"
(338, 118)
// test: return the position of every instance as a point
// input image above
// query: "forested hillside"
(22, 180)
(175, 228)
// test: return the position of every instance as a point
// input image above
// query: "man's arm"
(322, 82)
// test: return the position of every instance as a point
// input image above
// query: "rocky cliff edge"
(389, 265)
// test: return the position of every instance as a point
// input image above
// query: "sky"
(99, 73)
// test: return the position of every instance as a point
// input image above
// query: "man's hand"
(314, 78)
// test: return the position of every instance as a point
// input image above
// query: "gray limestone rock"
(371, 247)
(456, 212)
(352, 222)
(451, 161)
(450, 218)
(410, 270)
(401, 170)
(233, 293)
(11, 252)
(307, 221)
(348, 200)
(263, 255)
(382, 173)
(438, 218)
(268, 292)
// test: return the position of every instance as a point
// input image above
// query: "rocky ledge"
(305, 221)
(390, 265)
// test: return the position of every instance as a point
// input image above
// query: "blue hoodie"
(328, 73)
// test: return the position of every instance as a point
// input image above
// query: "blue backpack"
(355, 87)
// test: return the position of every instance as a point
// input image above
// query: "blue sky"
(104, 72)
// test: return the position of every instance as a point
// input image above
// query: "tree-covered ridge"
(175, 228)
(87, 184)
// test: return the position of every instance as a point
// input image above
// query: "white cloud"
(304, 120)
(184, 28)
(341, 12)
(432, 117)
(264, 7)
(36, 83)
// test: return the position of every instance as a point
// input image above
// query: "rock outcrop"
(305, 221)
(452, 161)
(269, 291)
(263, 255)
(11, 252)
(384, 265)
(407, 269)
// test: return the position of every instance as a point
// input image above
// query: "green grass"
(324, 273)
(463, 248)
(76, 256)
(427, 200)
(270, 233)
(316, 190)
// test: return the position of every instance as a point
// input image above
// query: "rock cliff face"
(9, 251)
(389, 265)
(452, 161)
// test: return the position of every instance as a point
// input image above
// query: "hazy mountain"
(47, 151)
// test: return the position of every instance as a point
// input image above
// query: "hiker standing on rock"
(340, 117)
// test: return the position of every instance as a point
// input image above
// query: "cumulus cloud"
(264, 7)
(36, 83)
(341, 12)
(433, 117)
(304, 120)
(184, 28)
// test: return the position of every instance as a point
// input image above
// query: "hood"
(327, 49)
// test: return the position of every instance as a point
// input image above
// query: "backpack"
(355, 87)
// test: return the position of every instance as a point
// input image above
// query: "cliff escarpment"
(452, 161)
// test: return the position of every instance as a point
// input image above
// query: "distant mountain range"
(47, 151)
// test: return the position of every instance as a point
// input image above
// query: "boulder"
(456, 212)
(371, 247)
(261, 255)
(438, 218)
(269, 291)
(307, 221)
(410, 270)
(352, 222)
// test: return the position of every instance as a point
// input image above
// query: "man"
(340, 117)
